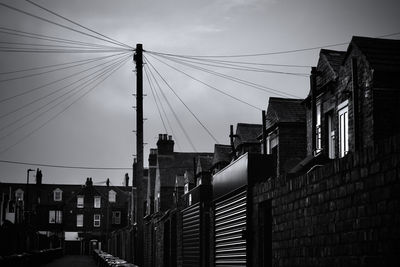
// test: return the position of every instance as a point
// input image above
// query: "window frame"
(55, 191)
(112, 196)
(57, 216)
(318, 127)
(96, 220)
(78, 204)
(116, 219)
(97, 202)
(343, 129)
(79, 219)
(19, 192)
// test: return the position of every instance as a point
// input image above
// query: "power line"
(162, 106)
(216, 89)
(55, 23)
(155, 100)
(34, 45)
(64, 166)
(231, 78)
(11, 49)
(77, 24)
(270, 53)
(229, 62)
(173, 112)
(186, 106)
(57, 65)
(37, 36)
(45, 85)
(62, 111)
(83, 85)
(83, 62)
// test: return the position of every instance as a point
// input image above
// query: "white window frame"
(116, 219)
(57, 194)
(79, 220)
(343, 120)
(332, 137)
(55, 216)
(112, 196)
(97, 202)
(318, 128)
(96, 220)
(80, 201)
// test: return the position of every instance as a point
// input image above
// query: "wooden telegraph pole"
(137, 181)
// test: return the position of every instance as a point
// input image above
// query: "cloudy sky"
(96, 131)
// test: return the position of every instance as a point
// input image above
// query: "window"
(79, 220)
(57, 194)
(116, 217)
(318, 130)
(79, 201)
(272, 141)
(97, 202)
(343, 115)
(331, 137)
(55, 216)
(19, 194)
(96, 220)
(112, 196)
(186, 188)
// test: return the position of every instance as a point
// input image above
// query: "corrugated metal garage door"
(230, 224)
(191, 235)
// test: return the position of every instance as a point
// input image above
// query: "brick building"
(76, 217)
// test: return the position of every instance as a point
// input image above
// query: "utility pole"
(138, 57)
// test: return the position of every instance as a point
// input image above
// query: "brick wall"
(346, 213)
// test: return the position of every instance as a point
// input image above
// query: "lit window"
(97, 202)
(343, 115)
(96, 220)
(112, 196)
(116, 217)
(55, 216)
(57, 194)
(186, 188)
(19, 194)
(79, 220)
(79, 201)
(318, 130)
(331, 132)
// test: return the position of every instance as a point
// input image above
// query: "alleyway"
(72, 260)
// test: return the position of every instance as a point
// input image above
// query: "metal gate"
(191, 236)
(230, 230)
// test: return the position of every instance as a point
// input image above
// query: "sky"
(97, 130)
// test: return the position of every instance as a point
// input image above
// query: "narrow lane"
(72, 260)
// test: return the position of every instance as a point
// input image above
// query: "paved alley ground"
(72, 260)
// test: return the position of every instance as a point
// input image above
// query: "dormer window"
(79, 201)
(343, 117)
(57, 194)
(318, 129)
(19, 194)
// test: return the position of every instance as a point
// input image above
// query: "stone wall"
(346, 213)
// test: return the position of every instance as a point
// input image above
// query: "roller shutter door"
(191, 236)
(229, 227)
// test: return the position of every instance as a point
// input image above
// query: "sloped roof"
(222, 153)
(204, 163)
(247, 133)
(382, 54)
(284, 110)
(176, 164)
(328, 66)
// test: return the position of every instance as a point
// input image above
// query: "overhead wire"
(161, 104)
(53, 51)
(43, 85)
(231, 78)
(77, 24)
(63, 110)
(216, 89)
(82, 62)
(155, 100)
(271, 53)
(15, 32)
(173, 112)
(57, 24)
(76, 89)
(181, 100)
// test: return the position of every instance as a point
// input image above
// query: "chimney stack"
(126, 179)
(165, 144)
